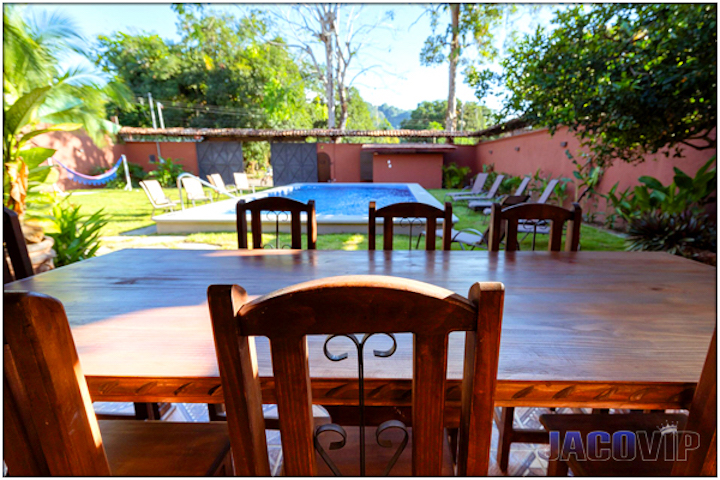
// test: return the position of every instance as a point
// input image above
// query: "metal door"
(294, 163)
(224, 158)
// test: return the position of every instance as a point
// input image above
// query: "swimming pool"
(340, 207)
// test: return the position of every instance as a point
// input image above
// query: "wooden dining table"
(580, 329)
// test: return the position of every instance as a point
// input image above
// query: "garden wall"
(524, 153)
(520, 154)
(77, 151)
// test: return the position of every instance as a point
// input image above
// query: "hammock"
(92, 179)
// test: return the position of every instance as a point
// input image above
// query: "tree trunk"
(328, 23)
(451, 118)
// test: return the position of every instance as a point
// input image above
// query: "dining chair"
(471, 237)
(410, 214)
(16, 266)
(504, 222)
(346, 306)
(277, 207)
(693, 436)
(49, 424)
(194, 191)
(16, 260)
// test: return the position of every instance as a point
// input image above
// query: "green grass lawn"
(131, 210)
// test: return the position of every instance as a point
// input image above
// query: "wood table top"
(628, 317)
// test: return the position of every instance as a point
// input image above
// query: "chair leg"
(147, 411)
(215, 411)
(557, 468)
(505, 430)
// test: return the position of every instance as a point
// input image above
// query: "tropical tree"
(470, 24)
(222, 73)
(341, 33)
(630, 79)
(39, 98)
(472, 115)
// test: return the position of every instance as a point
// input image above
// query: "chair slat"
(294, 395)
(479, 380)
(238, 370)
(428, 403)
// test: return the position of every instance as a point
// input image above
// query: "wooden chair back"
(277, 205)
(241, 181)
(346, 305)
(410, 211)
(16, 262)
(50, 427)
(703, 421)
(193, 189)
(506, 219)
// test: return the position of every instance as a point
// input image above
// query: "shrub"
(682, 233)
(683, 193)
(166, 172)
(454, 176)
(78, 236)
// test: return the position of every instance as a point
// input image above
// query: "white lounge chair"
(477, 187)
(486, 204)
(194, 190)
(216, 180)
(157, 197)
(241, 182)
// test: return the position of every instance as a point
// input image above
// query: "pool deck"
(214, 217)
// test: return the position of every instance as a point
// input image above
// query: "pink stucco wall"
(77, 151)
(184, 153)
(524, 153)
(422, 168)
(344, 160)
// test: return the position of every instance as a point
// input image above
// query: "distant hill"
(393, 115)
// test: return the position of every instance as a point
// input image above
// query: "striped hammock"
(91, 179)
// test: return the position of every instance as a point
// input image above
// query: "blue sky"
(398, 79)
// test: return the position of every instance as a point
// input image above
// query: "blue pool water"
(346, 200)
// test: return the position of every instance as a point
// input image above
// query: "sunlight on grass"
(353, 243)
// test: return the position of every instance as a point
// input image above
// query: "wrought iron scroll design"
(410, 222)
(283, 215)
(384, 427)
